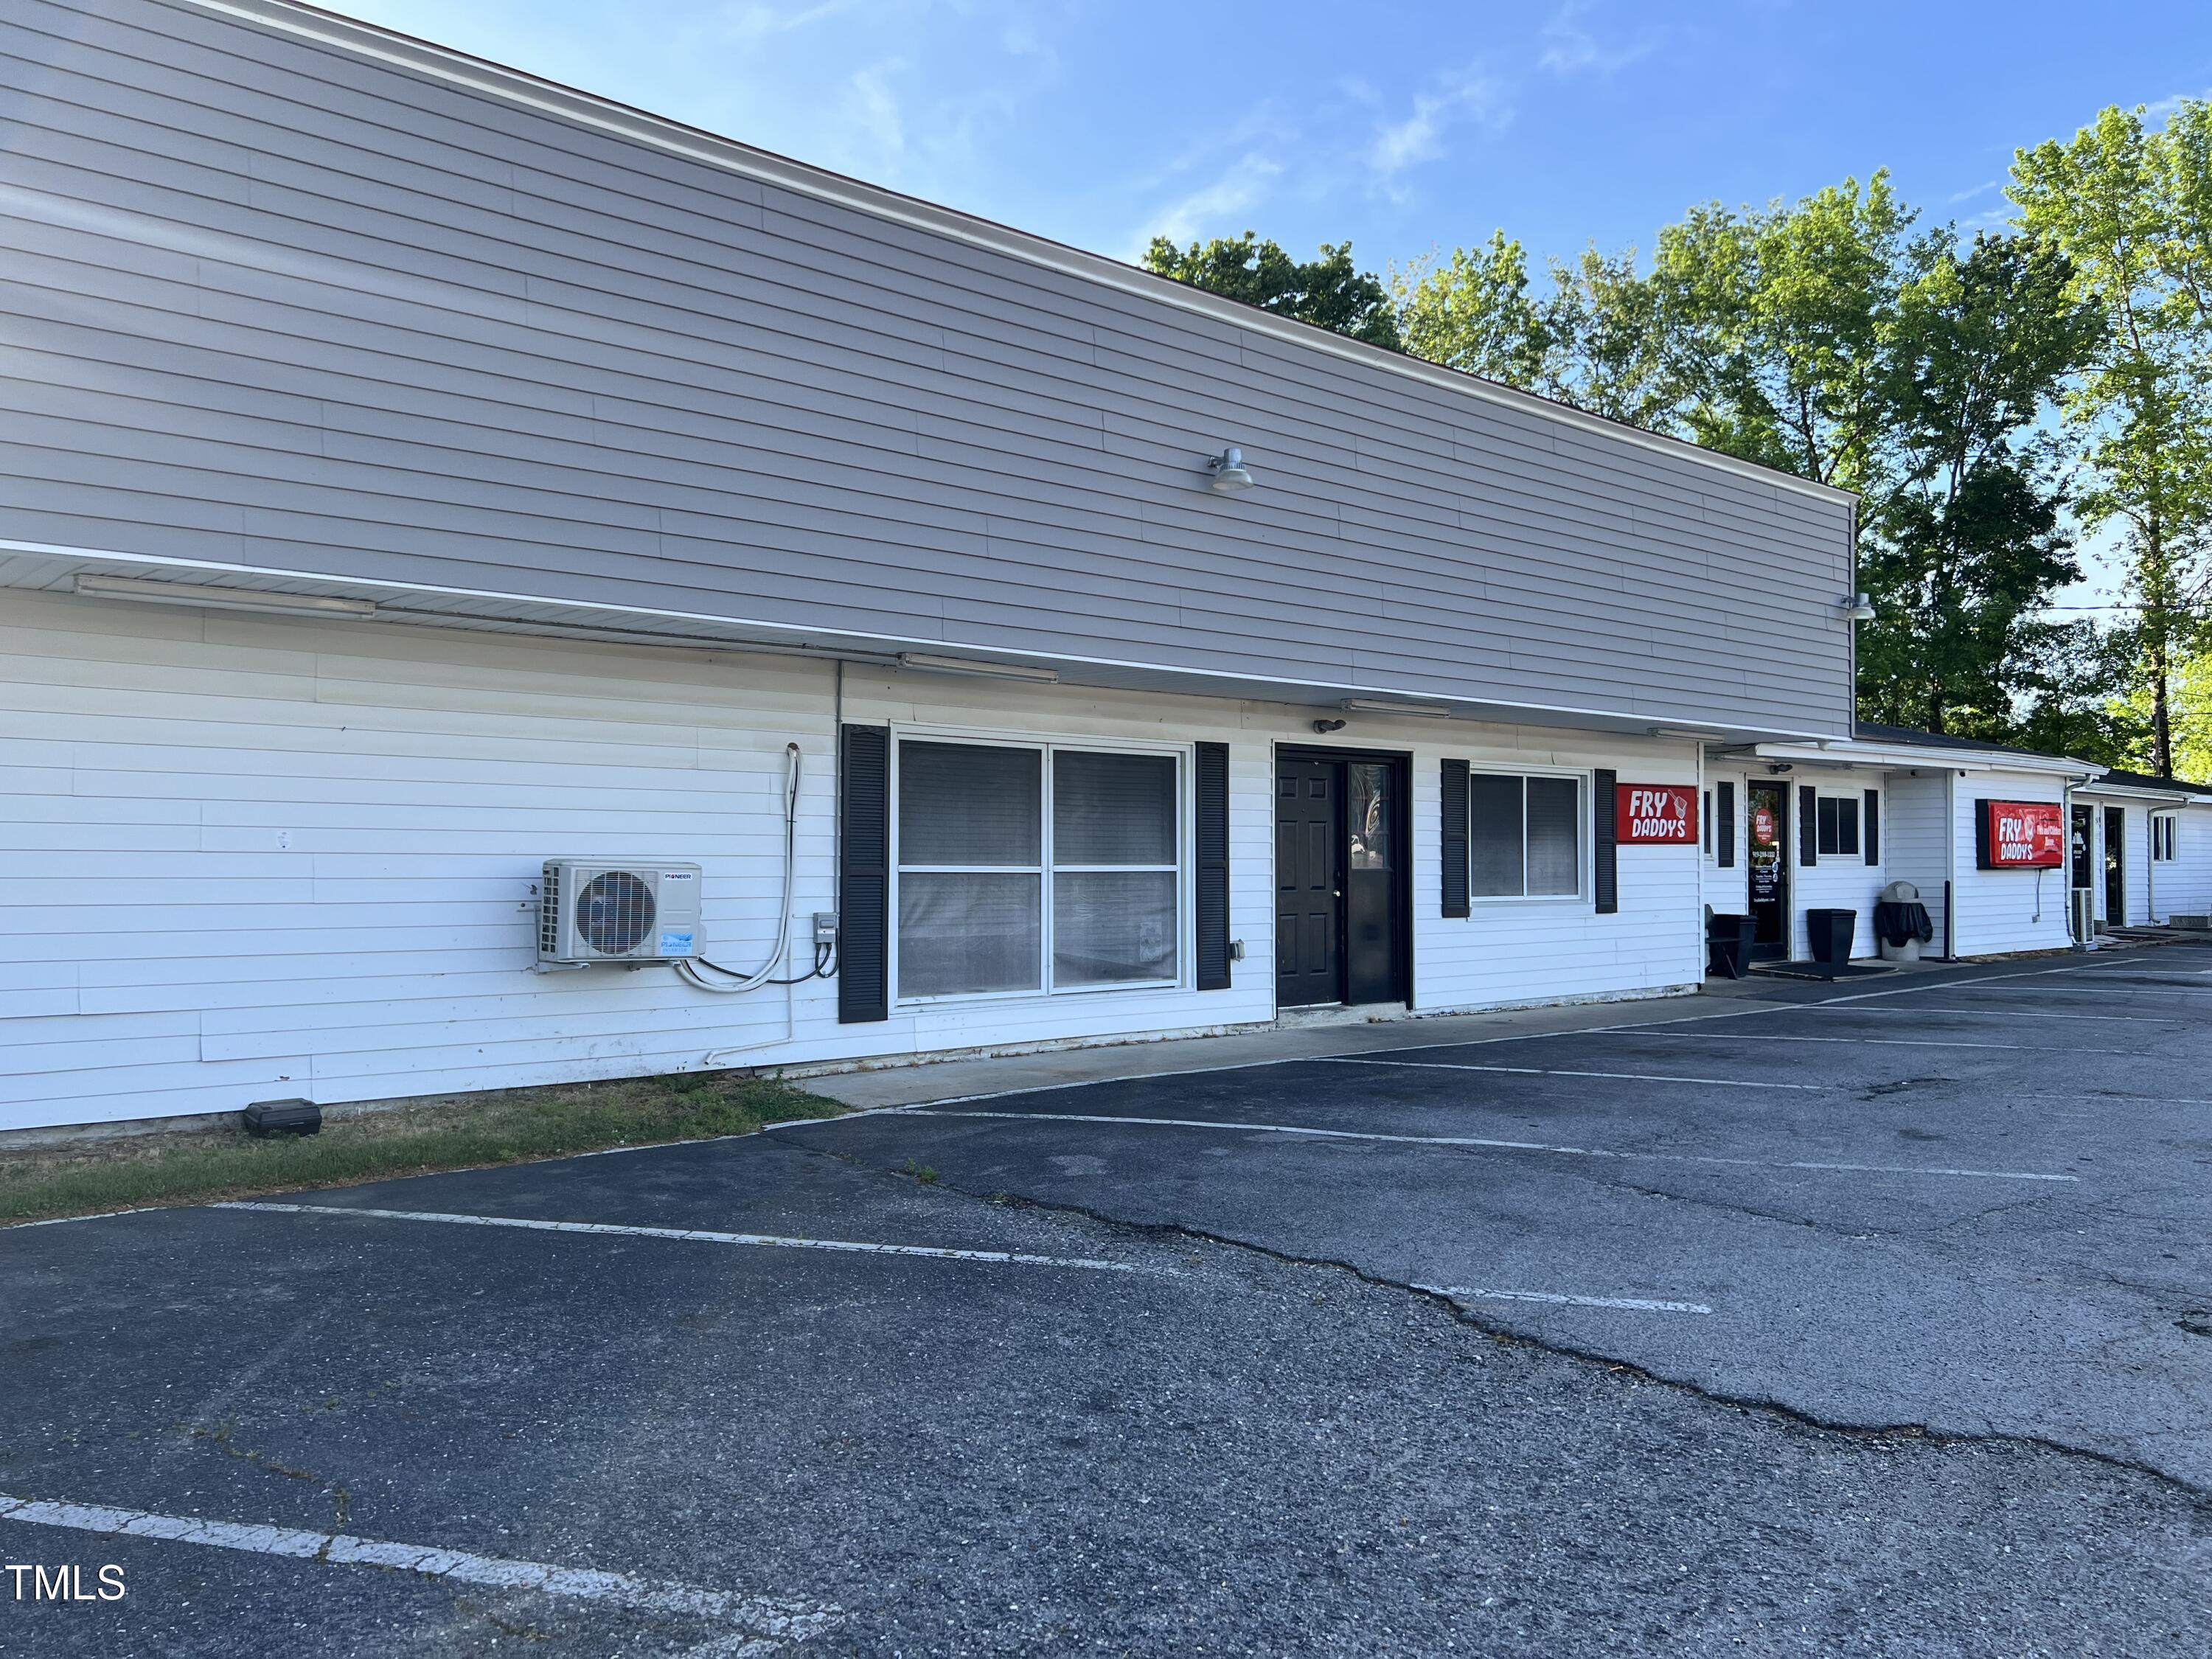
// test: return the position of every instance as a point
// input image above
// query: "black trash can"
(1831, 932)
(1728, 943)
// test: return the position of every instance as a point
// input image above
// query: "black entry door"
(1341, 901)
(1372, 918)
(1309, 882)
(1769, 809)
(2116, 866)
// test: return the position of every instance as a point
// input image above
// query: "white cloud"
(2166, 106)
(1466, 96)
(1572, 49)
(1243, 185)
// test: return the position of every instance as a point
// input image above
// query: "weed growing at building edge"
(464, 1131)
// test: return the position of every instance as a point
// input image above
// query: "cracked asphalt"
(1941, 1401)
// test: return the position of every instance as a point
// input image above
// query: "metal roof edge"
(1855, 751)
(497, 80)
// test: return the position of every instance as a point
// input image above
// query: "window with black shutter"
(1605, 872)
(1724, 826)
(1451, 837)
(1211, 917)
(863, 874)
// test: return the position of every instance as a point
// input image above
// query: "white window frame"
(1857, 801)
(2162, 837)
(1585, 852)
(1185, 868)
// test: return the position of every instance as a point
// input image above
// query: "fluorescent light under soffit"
(224, 598)
(1434, 711)
(997, 671)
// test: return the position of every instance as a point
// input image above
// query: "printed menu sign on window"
(2019, 834)
(1649, 813)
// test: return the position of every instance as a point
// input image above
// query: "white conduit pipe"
(702, 973)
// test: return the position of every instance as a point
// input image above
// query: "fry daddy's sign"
(2019, 834)
(1648, 813)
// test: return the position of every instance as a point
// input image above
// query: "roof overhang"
(41, 568)
(1900, 756)
(2168, 798)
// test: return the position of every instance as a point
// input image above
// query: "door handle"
(1336, 892)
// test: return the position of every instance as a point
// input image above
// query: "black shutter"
(1605, 863)
(1872, 829)
(864, 874)
(1982, 853)
(1808, 827)
(1211, 789)
(1452, 837)
(1724, 827)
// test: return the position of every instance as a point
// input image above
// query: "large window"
(1523, 835)
(1036, 868)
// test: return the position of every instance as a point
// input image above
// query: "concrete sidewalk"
(1343, 1032)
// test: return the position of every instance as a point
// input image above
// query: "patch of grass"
(466, 1132)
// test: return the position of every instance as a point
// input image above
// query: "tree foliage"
(2132, 209)
(1328, 291)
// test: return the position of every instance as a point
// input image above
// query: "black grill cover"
(1893, 924)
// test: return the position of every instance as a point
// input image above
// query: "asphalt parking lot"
(1816, 1321)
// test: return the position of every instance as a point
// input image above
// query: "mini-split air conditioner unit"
(617, 910)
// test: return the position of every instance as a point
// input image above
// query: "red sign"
(1648, 813)
(2021, 834)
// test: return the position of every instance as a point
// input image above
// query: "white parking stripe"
(1546, 1070)
(781, 1620)
(1484, 1143)
(2169, 993)
(1469, 1293)
(1865, 1042)
(1990, 1013)
(699, 1236)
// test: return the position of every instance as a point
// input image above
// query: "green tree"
(1967, 544)
(1329, 291)
(2132, 210)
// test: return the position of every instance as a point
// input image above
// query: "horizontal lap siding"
(1541, 949)
(1915, 839)
(1844, 881)
(279, 305)
(1995, 909)
(251, 858)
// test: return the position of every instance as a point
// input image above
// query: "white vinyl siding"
(254, 858)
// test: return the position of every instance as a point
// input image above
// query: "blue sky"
(1404, 127)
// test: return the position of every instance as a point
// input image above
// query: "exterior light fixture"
(1431, 711)
(1327, 726)
(1859, 606)
(224, 598)
(996, 670)
(1229, 470)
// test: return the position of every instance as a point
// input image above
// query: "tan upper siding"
(286, 305)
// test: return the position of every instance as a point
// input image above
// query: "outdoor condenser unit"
(617, 910)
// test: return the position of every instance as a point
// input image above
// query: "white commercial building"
(496, 588)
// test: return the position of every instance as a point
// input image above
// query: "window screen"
(1839, 825)
(970, 877)
(1114, 877)
(1524, 836)
(1493, 835)
(1554, 837)
(1035, 869)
